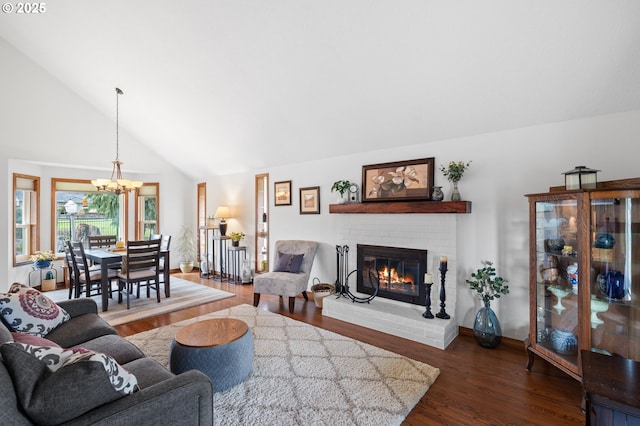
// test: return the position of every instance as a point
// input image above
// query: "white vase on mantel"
(341, 200)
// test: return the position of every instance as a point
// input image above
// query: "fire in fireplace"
(400, 272)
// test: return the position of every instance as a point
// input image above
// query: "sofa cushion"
(10, 413)
(116, 347)
(27, 310)
(79, 329)
(29, 339)
(288, 262)
(46, 377)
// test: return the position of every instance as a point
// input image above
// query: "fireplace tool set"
(342, 280)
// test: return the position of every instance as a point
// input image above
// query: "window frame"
(32, 225)
(140, 195)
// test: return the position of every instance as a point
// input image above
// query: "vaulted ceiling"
(250, 84)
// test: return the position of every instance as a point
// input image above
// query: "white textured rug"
(184, 294)
(304, 375)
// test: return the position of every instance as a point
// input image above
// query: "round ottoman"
(222, 348)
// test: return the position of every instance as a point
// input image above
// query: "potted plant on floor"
(186, 248)
(341, 186)
(486, 328)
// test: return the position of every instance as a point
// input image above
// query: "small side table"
(222, 348)
(42, 272)
(235, 256)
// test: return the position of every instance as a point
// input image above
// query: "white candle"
(428, 278)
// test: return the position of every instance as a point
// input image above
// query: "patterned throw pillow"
(288, 262)
(27, 310)
(41, 372)
(30, 339)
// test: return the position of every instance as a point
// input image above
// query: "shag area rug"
(304, 375)
(184, 294)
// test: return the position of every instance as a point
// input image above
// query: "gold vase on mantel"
(455, 194)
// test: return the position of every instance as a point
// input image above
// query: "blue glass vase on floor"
(486, 328)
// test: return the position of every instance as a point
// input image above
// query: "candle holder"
(443, 295)
(427, 313)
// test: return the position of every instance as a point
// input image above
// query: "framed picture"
(310, 200)
(398, 181)
(282, 191)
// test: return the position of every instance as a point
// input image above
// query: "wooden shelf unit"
(403, 207)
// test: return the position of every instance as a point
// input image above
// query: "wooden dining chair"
(86, 277)
(141, 266)
(74, 289)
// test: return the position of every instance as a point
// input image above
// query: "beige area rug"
(184, 294)
(304, 375)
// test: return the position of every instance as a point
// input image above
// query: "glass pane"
(557, 285)
(615, 235)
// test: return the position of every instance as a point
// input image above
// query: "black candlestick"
(427, 313)
(443, 295)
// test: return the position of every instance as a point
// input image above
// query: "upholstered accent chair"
(290, 275)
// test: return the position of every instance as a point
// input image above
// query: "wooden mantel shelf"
(403, 207)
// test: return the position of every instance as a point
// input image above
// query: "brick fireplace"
(433, 234)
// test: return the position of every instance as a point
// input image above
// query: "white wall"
(48, 131)
(505, 166)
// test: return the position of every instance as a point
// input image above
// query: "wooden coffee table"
(222, 348)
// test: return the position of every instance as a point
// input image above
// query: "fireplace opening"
(400, 272)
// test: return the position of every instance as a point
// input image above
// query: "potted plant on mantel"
(341, 186)
(453, 172)
(186, 248)
(486, 327)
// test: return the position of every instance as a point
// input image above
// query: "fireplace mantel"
(403, 207)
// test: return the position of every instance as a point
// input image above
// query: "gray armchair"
(286, 279)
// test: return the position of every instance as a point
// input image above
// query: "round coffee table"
(222, 348)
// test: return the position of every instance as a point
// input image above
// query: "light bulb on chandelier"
(116, 183)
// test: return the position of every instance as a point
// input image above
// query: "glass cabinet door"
(557, 285)
(615, 269)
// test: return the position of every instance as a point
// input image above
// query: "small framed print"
(398, 181)
(282, 191)
(310, 200)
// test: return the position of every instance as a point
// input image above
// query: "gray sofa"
(163, 398)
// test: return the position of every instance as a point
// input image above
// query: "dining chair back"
(85, 276)
(141, 266)
(102, 241)
(74, 290)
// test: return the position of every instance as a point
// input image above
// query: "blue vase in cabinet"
(486, 327)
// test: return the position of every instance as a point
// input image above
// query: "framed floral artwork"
(310, 200)
(398, 181)
(282, 191)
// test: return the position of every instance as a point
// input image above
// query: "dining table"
(108, 257)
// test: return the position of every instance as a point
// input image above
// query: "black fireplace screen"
(400, 271)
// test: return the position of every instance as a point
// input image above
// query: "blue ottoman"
(222, 348)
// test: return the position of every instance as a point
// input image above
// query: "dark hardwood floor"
(476, 386)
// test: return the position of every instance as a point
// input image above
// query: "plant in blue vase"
(42, 259)
(486, 327)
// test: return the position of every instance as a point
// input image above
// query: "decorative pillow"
(45, 378)
(29, 339)
(288, 262)
(27, 310)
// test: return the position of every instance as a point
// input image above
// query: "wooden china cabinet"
(584, 273)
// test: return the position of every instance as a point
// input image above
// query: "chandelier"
(116, 183)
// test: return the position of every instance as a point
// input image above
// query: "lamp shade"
(222, 212)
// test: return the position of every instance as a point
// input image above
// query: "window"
(80, 211)
(26, 223)
(147, 214)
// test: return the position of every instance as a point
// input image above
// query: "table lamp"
(222, 213)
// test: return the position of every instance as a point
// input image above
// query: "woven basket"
(320, 291)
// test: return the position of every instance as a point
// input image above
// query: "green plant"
(186, 244)
(486, 285)
(341, 186)
(41, 256)
(237, 236)
(454, 171)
